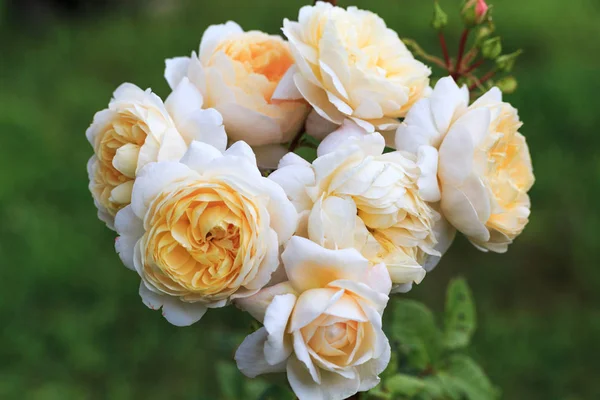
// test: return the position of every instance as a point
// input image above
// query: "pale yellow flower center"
(117, 152)
(260, 54)
(197, 239)
(508, 171)
(334, 339)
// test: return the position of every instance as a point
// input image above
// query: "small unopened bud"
(440, 19)
(491, 48)
(482, 33)
(507, 85)
(506, 62)
(481, 10)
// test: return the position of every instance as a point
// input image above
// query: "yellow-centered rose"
(137, 128)
(351, 65)
(203, 230)
(485, 169)
(239, 73)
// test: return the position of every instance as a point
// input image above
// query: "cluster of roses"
(313, 250)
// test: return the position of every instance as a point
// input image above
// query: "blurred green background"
(72, 324)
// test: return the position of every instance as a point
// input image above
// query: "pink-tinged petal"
(130, 229)
(310, 266)
(279, 343)
(427, 161)
(174, 310)
(214, 35)
(175, 70)
(311, 304)
(257, 304)
(461, 213)
(286, 88)
(250, 356)
(152, 180)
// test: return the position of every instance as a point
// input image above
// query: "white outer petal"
(339, 136)
(214, 35)
(130, 229)
(152, 180)
(250, 356)
(175, 69)
(174, 310)
(310, 266)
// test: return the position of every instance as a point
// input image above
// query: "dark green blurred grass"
(72, 324)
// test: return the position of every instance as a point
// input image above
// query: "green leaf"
(464, 379)
(406, 385)
(460, 320)
(414, 331)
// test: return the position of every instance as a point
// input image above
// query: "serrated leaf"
(414, 332)
(406, 385)
(463, 378)
(460, 319)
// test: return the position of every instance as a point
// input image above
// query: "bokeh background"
(71, 323)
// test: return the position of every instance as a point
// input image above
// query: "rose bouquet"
(308, 180)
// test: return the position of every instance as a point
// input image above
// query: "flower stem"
(445, 50)
(483, 80)
(296, 141)
(473, 67)
(461, 52)
(333, 2)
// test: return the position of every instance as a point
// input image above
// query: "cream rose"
(323, 326)
(354, 196)
(137, 128)
(485, 168)
(204, 230)
(239, 72)
(349, 64)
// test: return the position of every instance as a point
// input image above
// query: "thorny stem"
(461, 52)
(445, 50)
